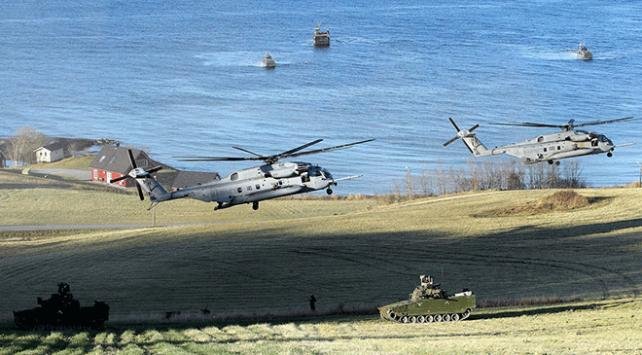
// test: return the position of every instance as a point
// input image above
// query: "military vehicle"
(429, 303)
(568, 142)
(62, 310)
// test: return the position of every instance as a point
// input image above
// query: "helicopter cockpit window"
(234, 176)
(603, 138)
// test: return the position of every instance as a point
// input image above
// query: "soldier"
(423, 280)
(313, 302)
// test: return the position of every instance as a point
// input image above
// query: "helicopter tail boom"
(475, 146)
(154, 189)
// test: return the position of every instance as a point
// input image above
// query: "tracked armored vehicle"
(62, 310)
(429, 303)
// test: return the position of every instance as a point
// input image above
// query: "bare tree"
(26, 140)
(409, 184)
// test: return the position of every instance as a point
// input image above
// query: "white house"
(50, 152)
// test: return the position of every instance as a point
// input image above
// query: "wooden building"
(50, 153)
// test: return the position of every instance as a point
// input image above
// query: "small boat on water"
(321, 38)
(268, 61)
(583, 53)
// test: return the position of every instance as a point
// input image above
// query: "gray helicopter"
(568, 143)
(270, 180)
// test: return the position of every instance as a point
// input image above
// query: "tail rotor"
(136, 173)
(460, 133)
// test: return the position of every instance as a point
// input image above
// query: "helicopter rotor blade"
(154, 169)
(529, 124)
(451, 140)
(271, 159)
(206, 158)
(323, 150)
(140, 191)
(598, 122)
(473, 128)
(111, 181)
(291, 151)
(131, 158)
(247, 151)
(454, 124)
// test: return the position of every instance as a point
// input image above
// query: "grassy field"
(81, 162)
(352, 255)
(589, 327)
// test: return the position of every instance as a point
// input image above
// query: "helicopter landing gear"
(556, 162)
(255, 205)
(609, 154)
(218, 206)
(329, 191)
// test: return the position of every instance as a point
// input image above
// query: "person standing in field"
(313, 303)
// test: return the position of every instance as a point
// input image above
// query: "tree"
(26, 140)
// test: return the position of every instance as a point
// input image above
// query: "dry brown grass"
(611, 326)
(351, 255)
(559, 201)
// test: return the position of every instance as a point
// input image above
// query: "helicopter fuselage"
(567, 143)
(556, 146)
(255, 184)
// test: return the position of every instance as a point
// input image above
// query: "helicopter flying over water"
(271, 180)
(567, 143)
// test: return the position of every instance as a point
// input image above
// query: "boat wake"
(231, 59)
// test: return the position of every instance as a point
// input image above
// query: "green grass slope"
(600, 327)
(352, 255)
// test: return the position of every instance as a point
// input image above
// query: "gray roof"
(116, 159)
(185, 178)
(53, 146)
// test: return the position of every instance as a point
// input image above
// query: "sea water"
(184, 78)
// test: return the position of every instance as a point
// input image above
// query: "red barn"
(112, 162)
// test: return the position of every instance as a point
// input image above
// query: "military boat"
(321, 38)
(429, 303)
(583, 53)
(268, 61)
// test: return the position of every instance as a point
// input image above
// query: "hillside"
(352, 255)
(586, 327)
